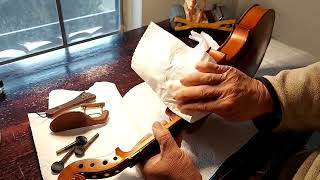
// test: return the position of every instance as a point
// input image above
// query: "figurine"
(193, 11)
(190, 16)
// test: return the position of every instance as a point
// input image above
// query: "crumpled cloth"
(161, 60)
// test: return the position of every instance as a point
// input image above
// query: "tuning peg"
(80, 150)
(57, 166)
(80, 140)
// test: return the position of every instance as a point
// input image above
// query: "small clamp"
(84, 106)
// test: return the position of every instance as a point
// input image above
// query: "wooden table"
(28, 83)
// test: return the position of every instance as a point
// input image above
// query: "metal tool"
(176, 11)
(80, 140)
(80, 150)
(2, 93)
(217, 13)
(58, 166)
(85, 106)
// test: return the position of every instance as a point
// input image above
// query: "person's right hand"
(223, 90)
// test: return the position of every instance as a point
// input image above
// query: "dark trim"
(273, 94)
(117, 5)
(55, 48)
(29, 55)
(61, 22)
(122, 26)
(269, 121)
(93, 38)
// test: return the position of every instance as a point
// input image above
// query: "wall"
(139, 13)
(296, 22)
(132, 14)
(156, 10)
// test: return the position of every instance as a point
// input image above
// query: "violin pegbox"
(107, 167)
(94, 168)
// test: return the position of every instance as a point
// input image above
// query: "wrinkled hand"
(192, 127)
(223, 90)
(171, 162)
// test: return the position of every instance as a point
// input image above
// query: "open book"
(130, 119)
(209, 146)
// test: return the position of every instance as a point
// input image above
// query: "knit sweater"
(298, 91)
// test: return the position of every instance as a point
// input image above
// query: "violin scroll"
(103, 168)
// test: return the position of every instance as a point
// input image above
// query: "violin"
(243, 49)
(246, 45)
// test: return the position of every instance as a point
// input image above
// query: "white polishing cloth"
(161, 60)
(118, 132)
(204, 39)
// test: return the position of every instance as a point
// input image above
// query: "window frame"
(65, 44)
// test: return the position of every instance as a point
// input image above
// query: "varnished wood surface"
(28, 83)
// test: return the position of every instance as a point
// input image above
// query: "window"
(86, 19)
(33, 26)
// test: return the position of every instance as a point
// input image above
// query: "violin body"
(243, 49)
(246, 45)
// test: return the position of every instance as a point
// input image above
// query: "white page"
(208, 147)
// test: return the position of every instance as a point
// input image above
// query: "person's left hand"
(172, 162)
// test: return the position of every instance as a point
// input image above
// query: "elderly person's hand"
(223, 90)
(171, 162)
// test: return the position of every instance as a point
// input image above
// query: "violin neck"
(152, 148)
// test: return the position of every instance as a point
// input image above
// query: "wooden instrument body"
(103, 168)
(246, 45)
(76, 119)
(82, 98)
(244, 49)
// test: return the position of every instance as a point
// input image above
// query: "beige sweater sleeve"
(298, 91)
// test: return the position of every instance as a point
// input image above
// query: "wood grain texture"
(77, 119)
(28, 82)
